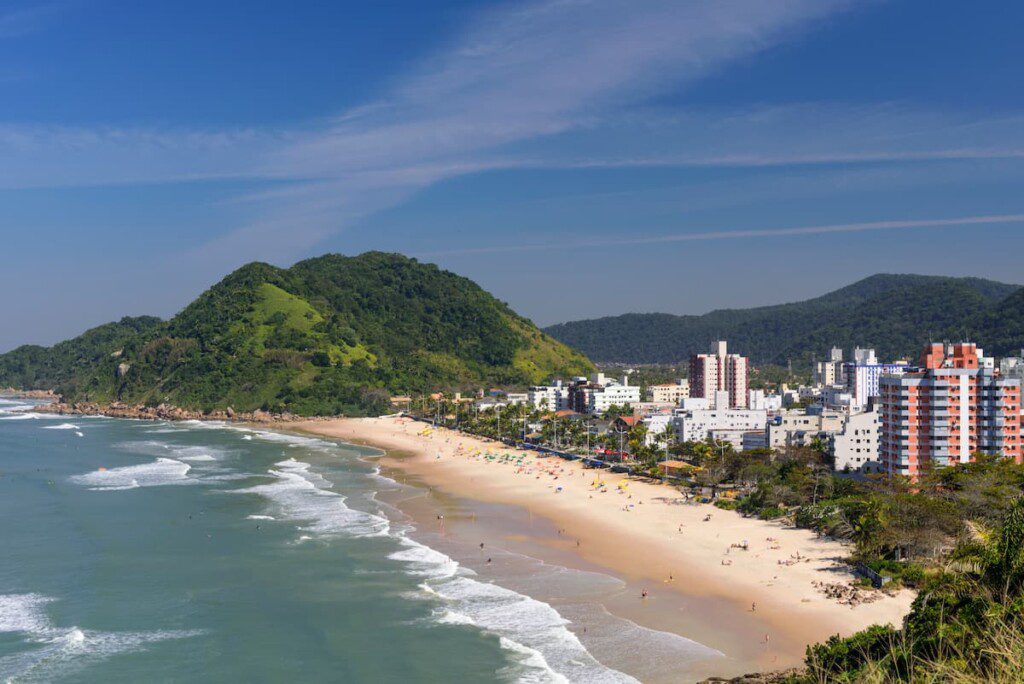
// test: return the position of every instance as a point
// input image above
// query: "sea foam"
(61, 651)
(162, 471)
(296, 496)
(536, 636)
(533, 633)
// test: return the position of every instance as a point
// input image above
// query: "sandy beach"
(759, 605)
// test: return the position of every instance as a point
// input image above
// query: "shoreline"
(759, 607)
(587, 596)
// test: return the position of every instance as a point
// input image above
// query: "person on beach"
(643, 594)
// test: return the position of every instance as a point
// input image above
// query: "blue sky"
(575, 157)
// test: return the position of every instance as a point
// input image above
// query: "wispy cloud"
(551, 83)
(514, 74)
(703, 236)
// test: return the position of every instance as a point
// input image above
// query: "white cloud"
(551, 83)
(514, 74)
(704, 236)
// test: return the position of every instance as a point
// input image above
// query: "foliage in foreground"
(966, 625)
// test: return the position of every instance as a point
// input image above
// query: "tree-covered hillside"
(895, 314)
(329, 335)
(35, 367)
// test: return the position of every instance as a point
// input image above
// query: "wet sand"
(757, 606)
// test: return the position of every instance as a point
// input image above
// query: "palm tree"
(995, 560)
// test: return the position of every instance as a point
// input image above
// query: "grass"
(543, 353)
(298, 313)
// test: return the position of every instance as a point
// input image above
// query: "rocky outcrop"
(27, 394)
(166, 412)
(762, 678)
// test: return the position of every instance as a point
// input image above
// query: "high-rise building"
(830, 372)
(717, 372)
(951, 407)
(861, 377)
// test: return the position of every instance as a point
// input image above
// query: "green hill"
(329, 335)
(895, 314)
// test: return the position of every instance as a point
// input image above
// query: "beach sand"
(760, 607)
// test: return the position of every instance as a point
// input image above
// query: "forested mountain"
(329, 335)
(895, 314)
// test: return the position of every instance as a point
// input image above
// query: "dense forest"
(894, 314)
(329, 335)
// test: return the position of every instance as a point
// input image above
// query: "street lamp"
(621, 433)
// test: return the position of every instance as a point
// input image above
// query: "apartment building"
(600, 393)
(855, 448)
(863, 375)
(829, 372)
(720, 371)
(951, 407)
(669, 393)
(799, 427)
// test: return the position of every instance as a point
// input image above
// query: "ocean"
(197, 552)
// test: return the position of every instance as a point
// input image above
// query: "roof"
(565, 413)
(629, 420)
(674, 464)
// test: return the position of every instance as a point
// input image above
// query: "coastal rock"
(27, 394)
(165, 412)
(757, 678)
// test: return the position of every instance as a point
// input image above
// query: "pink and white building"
(951, 407)
(720, 371)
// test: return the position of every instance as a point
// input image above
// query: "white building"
(698, 424)
(549, 397)
(790, 396)
(757, 399)
(863, 374)
(601, 393)
(836, 397)
(1013, 367)
(800, 427)
(829, 372)
(734, 438)
(656, 425)
(856, 447)
(669, 393)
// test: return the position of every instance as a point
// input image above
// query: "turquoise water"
(141, 551)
